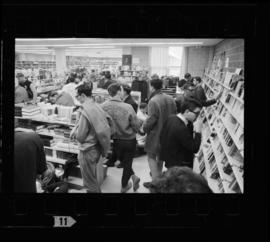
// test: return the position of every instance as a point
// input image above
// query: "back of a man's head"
(126, 88)
(189, 103)
(113, 89)
(157, 84)
(187, 76)
(180, 180)
(85, 89)
(181, 83)
(198, 79)
(107, 75)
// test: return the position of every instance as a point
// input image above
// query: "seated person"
(179, 180)
(20, 93)
(142, 116)
(29, 162)
(64, 99)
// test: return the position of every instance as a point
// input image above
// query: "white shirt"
(71, 89)
(179, 115)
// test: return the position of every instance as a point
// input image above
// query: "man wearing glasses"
(178, 144)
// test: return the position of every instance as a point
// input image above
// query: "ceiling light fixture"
(46, 39)
(121, 44)
(94, 47)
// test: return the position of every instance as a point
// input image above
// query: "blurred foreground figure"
(179, 180)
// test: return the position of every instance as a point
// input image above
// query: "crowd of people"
(164, 123)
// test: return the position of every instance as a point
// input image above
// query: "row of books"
(218, 156)
(229, 145)
(29, 111)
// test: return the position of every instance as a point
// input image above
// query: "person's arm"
(186, 140)
(82, 131)
(34, 91)
(152, 119)
(202, 97)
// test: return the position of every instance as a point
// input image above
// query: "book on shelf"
(215, 174)
(235, 154)
(228, 78)
(227, 169)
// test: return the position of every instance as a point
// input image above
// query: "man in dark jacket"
(141, 85)
(198, 92)
(108, 80)
(195, 91)
(127, 98)
(29, 161)
(178, 145)
(160, 107)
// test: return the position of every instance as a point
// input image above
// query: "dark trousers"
(125, 151)
(113, 156)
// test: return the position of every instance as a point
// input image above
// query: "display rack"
(221, 155)
(48, 65)
(54, 152)
(128, 74)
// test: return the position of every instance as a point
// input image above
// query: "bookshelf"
(62, 148)
(47, 65)
(223, 133)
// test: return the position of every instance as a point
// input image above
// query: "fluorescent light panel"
(46, 39)
(121, 44)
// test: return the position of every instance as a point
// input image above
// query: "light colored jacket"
(125, 120)
(94, 127)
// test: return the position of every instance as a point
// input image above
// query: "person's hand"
(198, 126)
(73, 133)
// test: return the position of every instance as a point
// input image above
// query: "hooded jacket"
(94, 128)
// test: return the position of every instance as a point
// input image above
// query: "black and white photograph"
(110, 115)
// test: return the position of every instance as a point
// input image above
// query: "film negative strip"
(161, 215)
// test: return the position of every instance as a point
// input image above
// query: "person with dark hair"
(78, 79)
(29, 161)
(20, 93)
(181, 83)
(71, 78)
(29, 87)
(160, 107)
(126, 126)
(197, 91)
(180, 180)
(141, 84)
(93, 133)
(63, 98)
(188, 77)
(107, 81)
(154, 76)
(127, 98)
(178, 145)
